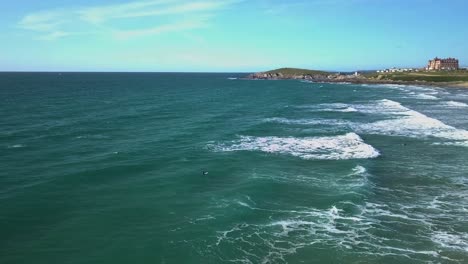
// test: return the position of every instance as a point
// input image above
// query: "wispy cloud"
(55, 35)
(98, 14)
(149, 8)
(279, 7)
(61, 23)
(47, 24)
(175, 27)
(42, 21)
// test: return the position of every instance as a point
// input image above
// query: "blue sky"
(229, 35)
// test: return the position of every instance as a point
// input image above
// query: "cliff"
(457, 79)
(302, 74)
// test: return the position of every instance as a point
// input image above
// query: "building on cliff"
(443, 64)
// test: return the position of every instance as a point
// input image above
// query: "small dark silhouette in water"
(205, 172)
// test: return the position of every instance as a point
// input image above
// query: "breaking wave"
(349, 146)
(344, 226)
(451, 241)
(425, 96)
(330, 107)
(400, 121)
(407, 122)
(456, 104)
(329, 122)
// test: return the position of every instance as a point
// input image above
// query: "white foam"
(456, 104)
(379, 210)
(331, 227)
(401, 121)
(361, 228)
(452, 241)
(343, 110)
(334, 213)
(349, 109)
(414, 91)
(244, 204)
(390, 86)
(315, 221)
(404, 87)
(232, 78)
(359, 170)
(349, 146)
(205, 218)
(321, 106)
(392, 104)
(330, 107)
(426, 89)
(456, 143)
(316, 121)
(356, 179)
(407, 122)
(385, 106)
(16, 146)
(92, 137)
(425, 96)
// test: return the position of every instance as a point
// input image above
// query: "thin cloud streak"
(57, 24)
(175, 27)
(42, 21)
(98, 14)
(278, 7)
(147, 9)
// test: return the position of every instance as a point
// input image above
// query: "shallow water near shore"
(108, 168)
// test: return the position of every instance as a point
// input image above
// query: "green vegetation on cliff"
(296, 72)
(426, 76)
(444, 78)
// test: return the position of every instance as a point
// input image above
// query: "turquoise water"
(108, 168)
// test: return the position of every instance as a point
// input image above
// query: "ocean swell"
(348, 146)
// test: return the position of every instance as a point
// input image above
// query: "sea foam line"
(316, 121)
(425, 96)
(332, 227)
(348, 146)
(16, 146)
(402, 122)
(411, 123)
(456, 104)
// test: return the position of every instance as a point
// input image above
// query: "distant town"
(436, 64)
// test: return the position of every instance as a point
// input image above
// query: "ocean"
(212, 168)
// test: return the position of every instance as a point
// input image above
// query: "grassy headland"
(423, 76)
(296, 72)
(436, 78)
(291, 73)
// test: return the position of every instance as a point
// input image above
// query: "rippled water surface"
(108, 168)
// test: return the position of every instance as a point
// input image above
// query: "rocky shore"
(309, 77)
(343, 78)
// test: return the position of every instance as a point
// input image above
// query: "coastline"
(359, 79)
(419, 83)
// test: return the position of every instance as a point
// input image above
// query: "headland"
(441, 78)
